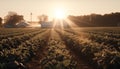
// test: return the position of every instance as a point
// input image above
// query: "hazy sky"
(71, 7)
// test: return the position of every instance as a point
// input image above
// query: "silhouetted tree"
(43, 18)
(12, 18)
(0, 22)
(109, 20)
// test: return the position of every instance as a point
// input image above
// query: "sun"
(59, 14)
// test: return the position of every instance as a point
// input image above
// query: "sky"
(48, 7)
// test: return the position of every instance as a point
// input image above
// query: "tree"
(43, 18)
(12, 19)
(0, 22)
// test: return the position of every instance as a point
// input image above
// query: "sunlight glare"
(59, 14)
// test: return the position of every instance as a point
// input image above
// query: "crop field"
(70, 48)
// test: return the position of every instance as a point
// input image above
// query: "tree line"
(97, 20)
(92, 20)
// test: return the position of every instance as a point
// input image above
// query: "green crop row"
(16, 57)
(99, 55)
(99, 38)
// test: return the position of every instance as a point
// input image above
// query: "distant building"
(22, 25)
(56, 24)
(46, 24)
